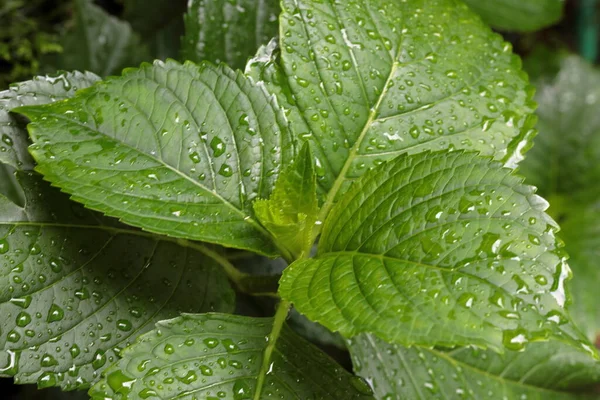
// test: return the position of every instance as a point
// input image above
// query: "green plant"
(385, 134)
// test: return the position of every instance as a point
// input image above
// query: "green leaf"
(420, 373)
(228, 31)
(39, 90)
(552, 365)
(222, 356)
(438, 249)
(75, 287)
(180, 150)
(99, 43)
(581, 232)
(291, 212)
(517, 15)
(375, 79)
(564, 165)
(9, 186)
(565, 157)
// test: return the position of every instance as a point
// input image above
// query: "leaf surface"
(418, 373)
(39, 90)
(564, 165)
(180, 150)
(221, 356)
(554, 365)
(228, 31)
(516, 15)
(375, 79)
(438, 249)
(99, 43)
(75, 287)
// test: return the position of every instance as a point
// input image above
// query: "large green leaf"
(181, 150)
(564, 165)
(39, 90)
(552, 365)
(397, 372)
(374, 79)
(99, 43)
(228, 31)
(216, 356)
(438, 249)
(76, 287)
(581, 232)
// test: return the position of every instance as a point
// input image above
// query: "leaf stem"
(246, 283)
(280, 316)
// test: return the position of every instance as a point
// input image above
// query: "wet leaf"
(420, 373)
(438, 249)
(228, 31)
(564, 164)
(517, 15)
(555, 365)
(180, 150)
(291, 211)
(581, 232)
(99, 43)
(375, 79)
(77, 287)
(221, 356)
(39, 90)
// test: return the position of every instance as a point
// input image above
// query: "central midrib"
(330, 201)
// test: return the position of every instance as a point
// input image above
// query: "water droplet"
(99, 359)
(124, 325)
(46, 380)
(4, 247)
(169, 349)
(515, 339)
(211, 343)
(189, 378)
(217, 146)
(23, 319)
(55, 313)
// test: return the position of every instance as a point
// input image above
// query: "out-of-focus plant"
(28, 33)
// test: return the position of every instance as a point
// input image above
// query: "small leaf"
(291, 212)
(39, 90)
(375, 79)
(517, 15)
(438, 249)
(420, 373)
(180, 150)
(99, 43)
(75, 288)
(228, 31)
(221, 356)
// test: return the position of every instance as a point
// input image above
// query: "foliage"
(28, 33)
(372, 150)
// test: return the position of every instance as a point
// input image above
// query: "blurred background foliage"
(558, 41)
